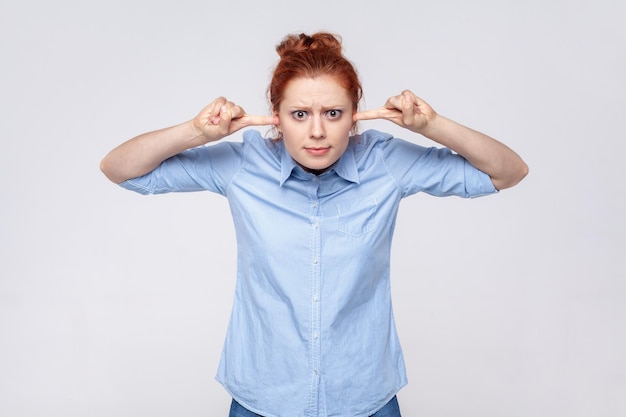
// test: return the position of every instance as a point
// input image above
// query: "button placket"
(315, 277)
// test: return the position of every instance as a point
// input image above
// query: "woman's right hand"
(222, 118)
(145, 152)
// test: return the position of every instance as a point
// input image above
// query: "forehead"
(320, 91)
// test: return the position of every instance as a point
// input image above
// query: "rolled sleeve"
(436, 171)
(477, 183)
(207, 168)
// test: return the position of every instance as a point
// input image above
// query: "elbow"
(515, 177)
(522, 172)
(108, 170)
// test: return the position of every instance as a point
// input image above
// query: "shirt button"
(314, 336)
(315, 299)
(315, 261)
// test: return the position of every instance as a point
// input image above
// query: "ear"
(277, 123)
(354, 129)
(277, 132)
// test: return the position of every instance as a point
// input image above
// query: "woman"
(312, 331)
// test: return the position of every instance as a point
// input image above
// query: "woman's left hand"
(494, 158)
(406, 110)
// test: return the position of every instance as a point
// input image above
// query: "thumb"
(408, 112)
(225, 119)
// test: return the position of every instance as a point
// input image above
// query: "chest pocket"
(356, 218)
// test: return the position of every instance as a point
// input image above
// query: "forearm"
(492, 157)
(144, 153)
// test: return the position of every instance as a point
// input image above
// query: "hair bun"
(317, 55)
(322, 42)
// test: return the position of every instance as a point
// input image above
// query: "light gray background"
(115, 304)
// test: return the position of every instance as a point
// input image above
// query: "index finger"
(251, 120)
(367, 115)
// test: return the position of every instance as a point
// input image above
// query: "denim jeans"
(391, 409)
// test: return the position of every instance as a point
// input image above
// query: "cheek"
(291, 138)
(344, 127)
(287, 129)
(283, 121)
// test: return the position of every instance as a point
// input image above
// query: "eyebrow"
(324, 108)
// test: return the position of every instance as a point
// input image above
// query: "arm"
(142, 154)
(494, 158)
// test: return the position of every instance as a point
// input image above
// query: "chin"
(317, 168)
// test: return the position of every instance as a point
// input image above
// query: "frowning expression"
(315, 120)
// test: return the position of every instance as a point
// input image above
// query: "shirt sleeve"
(206, 168)
(436, 171)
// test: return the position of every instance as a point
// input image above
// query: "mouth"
(317, 151)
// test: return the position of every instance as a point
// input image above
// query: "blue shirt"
(312, 330)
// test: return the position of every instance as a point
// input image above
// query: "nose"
(317, 128)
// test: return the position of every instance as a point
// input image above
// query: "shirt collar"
(345, 167)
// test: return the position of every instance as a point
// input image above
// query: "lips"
(317, 151)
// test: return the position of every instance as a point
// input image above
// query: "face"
(315, 120)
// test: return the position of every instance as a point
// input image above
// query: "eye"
(334, 114)
(299, 114)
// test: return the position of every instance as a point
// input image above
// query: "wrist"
(432, 126)
(195, 134)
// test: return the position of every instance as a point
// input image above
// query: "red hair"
(313, 56)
